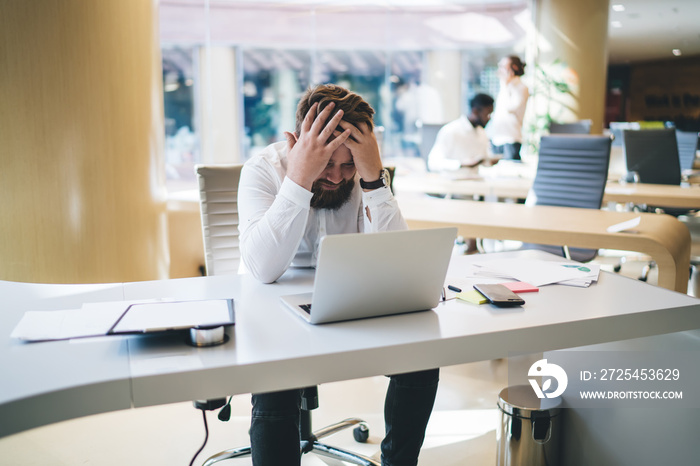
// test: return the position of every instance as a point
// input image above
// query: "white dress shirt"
(278, 227)
(506, 125)
(457, 143)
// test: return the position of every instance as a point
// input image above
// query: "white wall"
(634, 437)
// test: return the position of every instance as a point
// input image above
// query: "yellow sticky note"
(472, 296)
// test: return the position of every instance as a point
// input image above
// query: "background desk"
(664, 195)
(270, 348)
(662, 237)
(517, 188)
(488, 188)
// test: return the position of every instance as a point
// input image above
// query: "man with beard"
(326, 178)
(462, 145)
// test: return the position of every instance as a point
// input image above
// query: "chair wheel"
(361, 434)
(617, 268)
(642, 278)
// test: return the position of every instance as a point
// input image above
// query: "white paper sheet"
(538, 272)
(626, 225)
(93, 319)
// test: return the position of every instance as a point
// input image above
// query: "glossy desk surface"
(662, 237)
(270, 348)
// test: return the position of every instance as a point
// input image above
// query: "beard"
(331, 199)
(478, 122)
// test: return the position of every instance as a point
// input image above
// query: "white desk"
(54, 381)
(271, 349)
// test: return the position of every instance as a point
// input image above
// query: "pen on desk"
(454, 288)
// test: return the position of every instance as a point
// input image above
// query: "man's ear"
(291, 139)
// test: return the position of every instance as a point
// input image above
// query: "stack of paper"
(123, 317)
(92, 319)
(537, 272)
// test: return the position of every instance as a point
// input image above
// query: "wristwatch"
(384, 180)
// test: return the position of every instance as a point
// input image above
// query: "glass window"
(233, 71)
(181, 142)
(273, 80)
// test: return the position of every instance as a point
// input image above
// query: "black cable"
(225, 413)
(206, 437)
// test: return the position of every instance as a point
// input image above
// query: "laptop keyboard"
(306, 308)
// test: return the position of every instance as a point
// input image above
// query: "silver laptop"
(376, 274)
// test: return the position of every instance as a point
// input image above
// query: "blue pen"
(454, 288)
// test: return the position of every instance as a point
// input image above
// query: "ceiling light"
(618, 7)
(677, 52)
(616, 24)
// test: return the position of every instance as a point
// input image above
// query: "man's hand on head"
(310, 151)
(364, 149)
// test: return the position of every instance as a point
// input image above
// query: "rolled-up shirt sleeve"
(384, 211)
(272, 221)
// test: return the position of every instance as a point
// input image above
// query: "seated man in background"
(462, 145)
(327, 178)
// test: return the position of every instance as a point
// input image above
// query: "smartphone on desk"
(499, 295)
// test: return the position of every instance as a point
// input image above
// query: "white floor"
(462, 429)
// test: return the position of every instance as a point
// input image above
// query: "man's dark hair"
(355, 109)
(517, 65)
(480, 101)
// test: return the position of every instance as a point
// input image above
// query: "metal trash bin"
(529, 431)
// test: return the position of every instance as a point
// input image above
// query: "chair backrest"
(618, 127)
(653, 154)
(428, 134)
(571, 171)
(578, 127)
(687, 148)
(218, 203)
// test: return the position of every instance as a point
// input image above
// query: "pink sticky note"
(520, 287)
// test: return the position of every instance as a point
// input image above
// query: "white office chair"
(218, 201)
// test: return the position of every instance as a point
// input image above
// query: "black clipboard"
(166, 316)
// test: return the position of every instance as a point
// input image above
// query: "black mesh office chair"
(654, 155)
(571, 172)
(577, 127)
(687, 148)
(218, 200)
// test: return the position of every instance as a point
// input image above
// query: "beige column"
(82, 196)
(572, 38)
(219, 105)
(443, 75)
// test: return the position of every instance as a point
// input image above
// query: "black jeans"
(509, 151)
(274, 428)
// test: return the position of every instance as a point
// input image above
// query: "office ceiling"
(646, 30)
(652, 29)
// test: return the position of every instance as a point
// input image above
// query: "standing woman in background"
(506, 126)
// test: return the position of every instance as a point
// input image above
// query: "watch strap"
(380, 183)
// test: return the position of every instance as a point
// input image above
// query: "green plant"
(550, 95)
